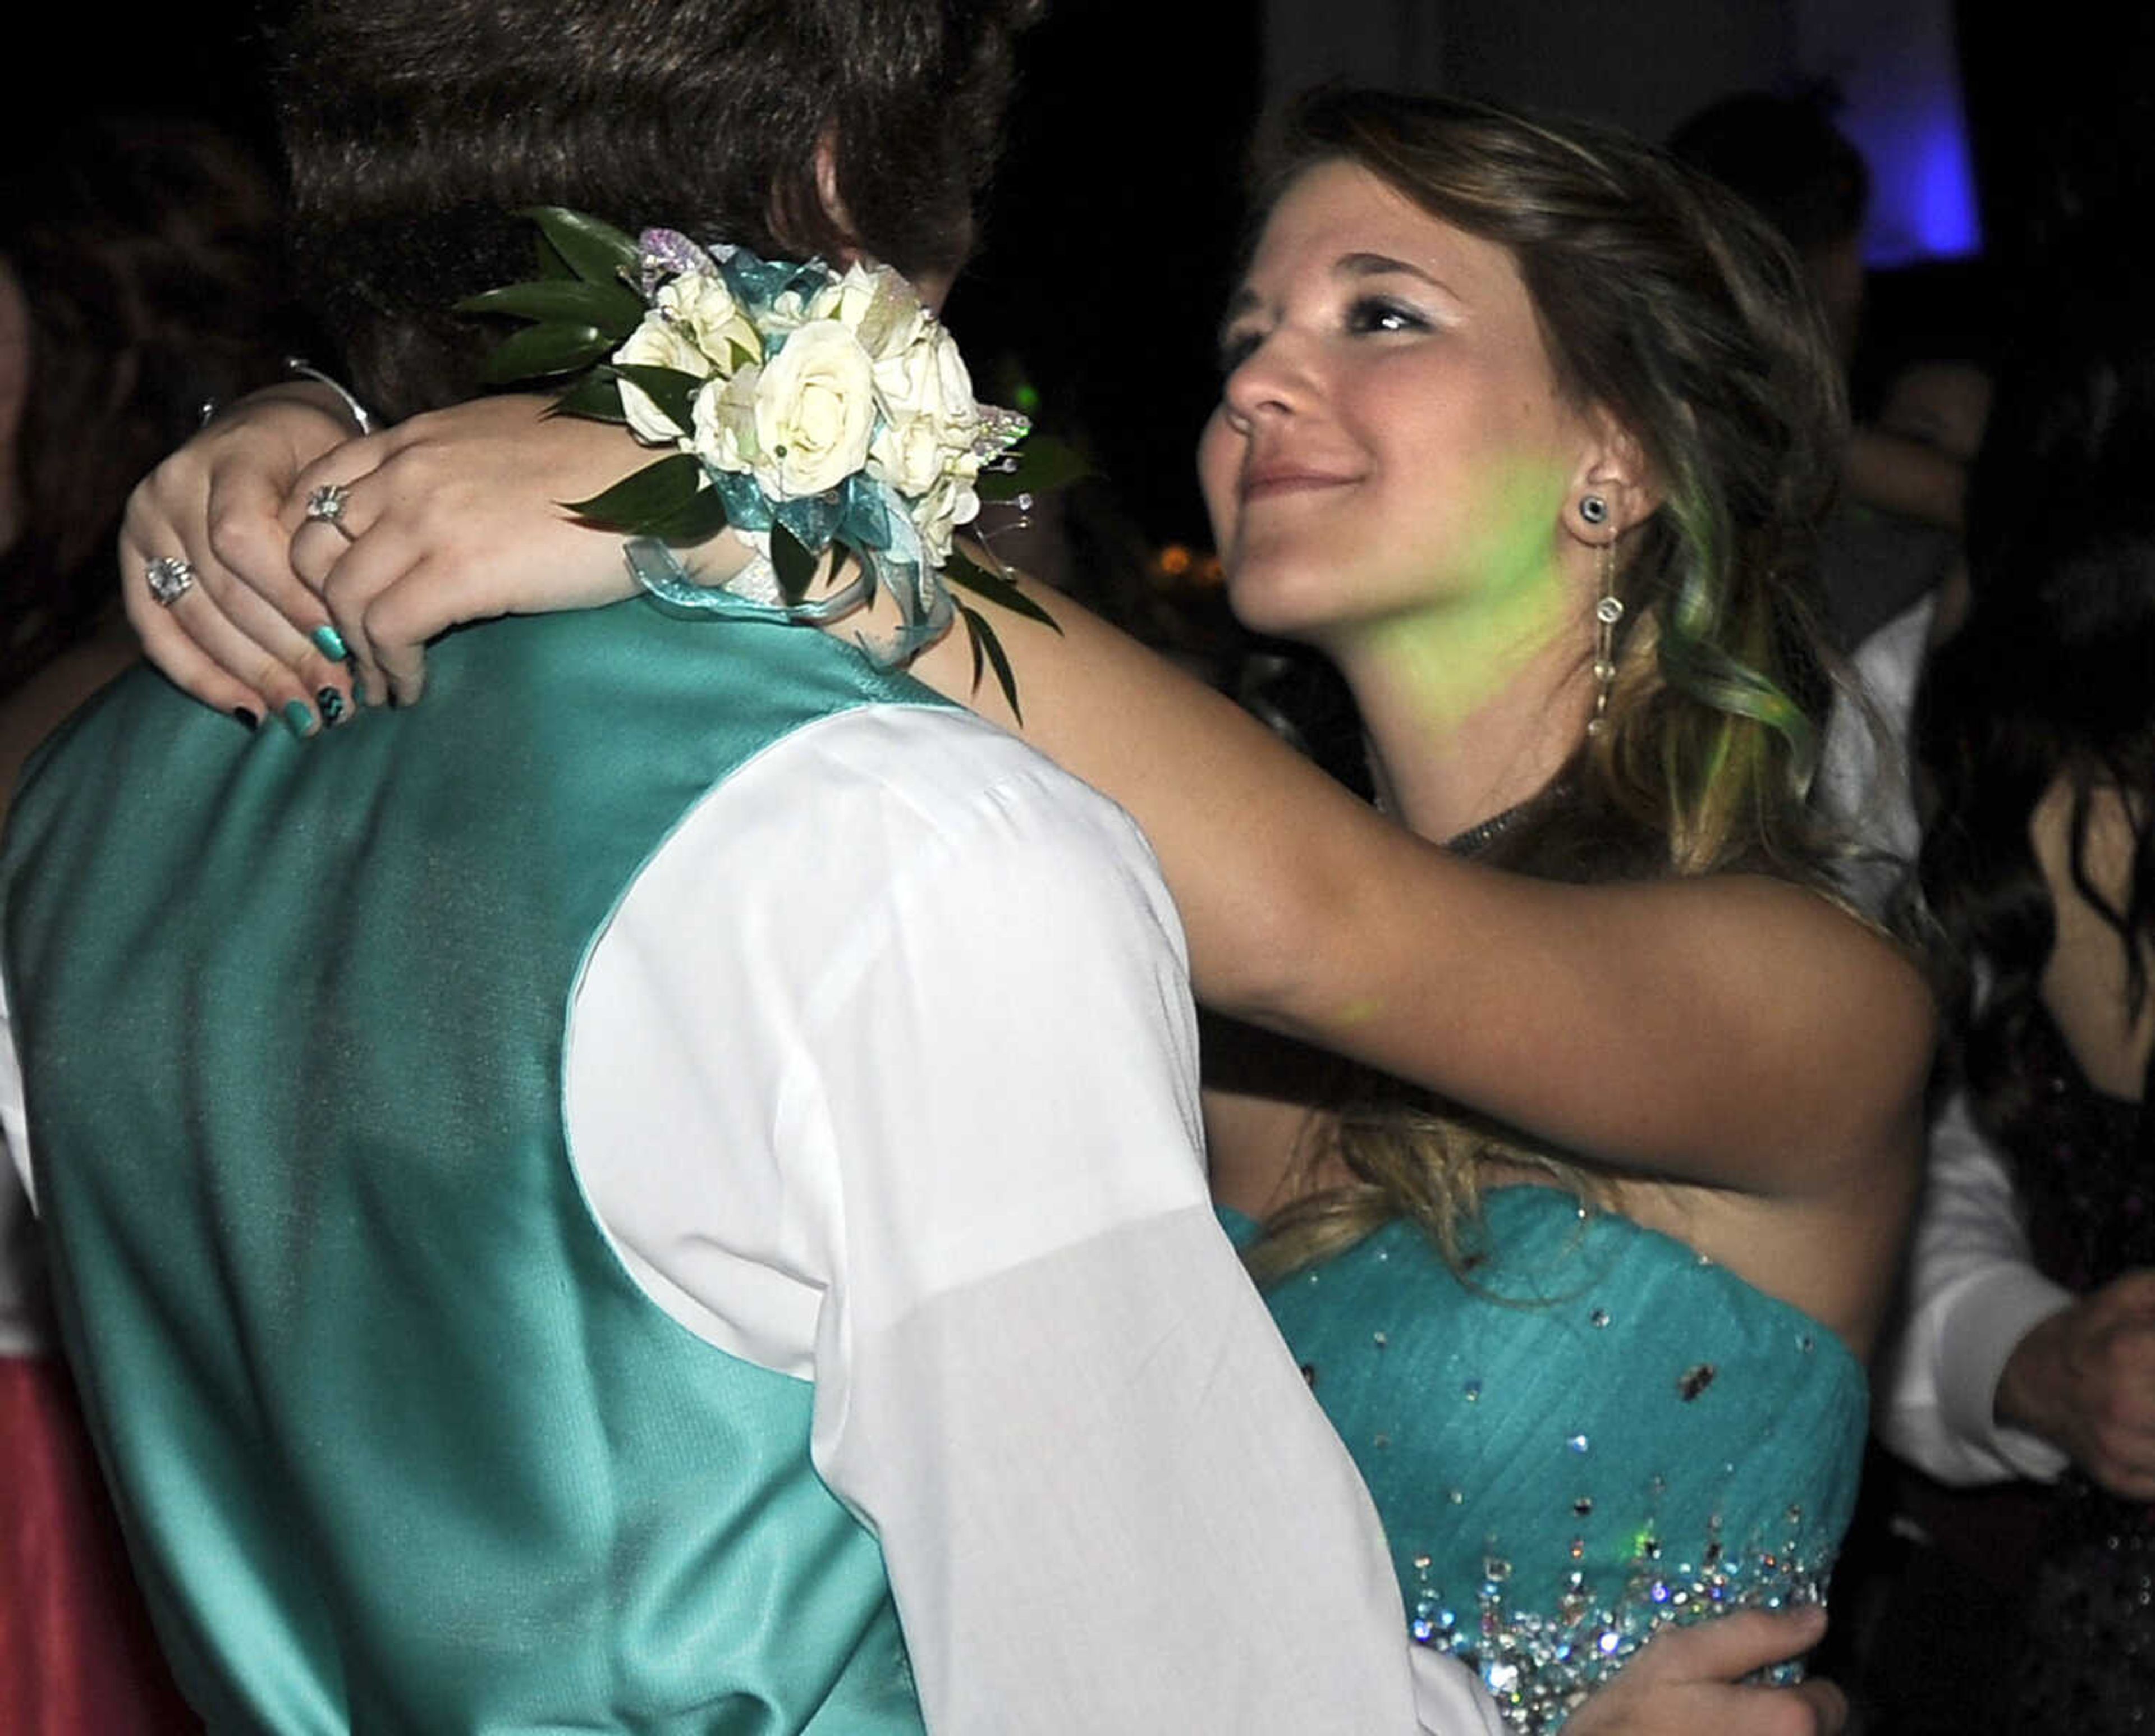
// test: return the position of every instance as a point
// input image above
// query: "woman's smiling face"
(1391, 439)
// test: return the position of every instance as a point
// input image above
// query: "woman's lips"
(1269, 481)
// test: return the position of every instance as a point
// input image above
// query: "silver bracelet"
(360, 413)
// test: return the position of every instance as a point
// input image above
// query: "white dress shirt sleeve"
(1973, 1294)
(1973, 1290)
(1106, 1498)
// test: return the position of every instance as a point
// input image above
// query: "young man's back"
(398, 1099)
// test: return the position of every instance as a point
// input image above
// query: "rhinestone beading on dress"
(1541, 1651)
(1586, 1434)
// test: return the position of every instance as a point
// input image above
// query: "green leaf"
(537, 351)
(552, 267)
(649, 496)
(597, 252)
(672, 390)
(985, 639)
(700, 519)
(795, 562)
(981, 583)
(1044, 465)
(596, 394)
(613, 308)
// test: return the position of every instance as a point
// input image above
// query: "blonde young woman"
(1527, 430)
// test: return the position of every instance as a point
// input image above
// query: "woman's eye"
(1376, 315)
(1235, 348)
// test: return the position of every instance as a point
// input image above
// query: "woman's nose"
(1274, 376)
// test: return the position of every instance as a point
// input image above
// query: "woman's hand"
(1691, 1679)
(457, 516)
(448, 518)
(239, 638)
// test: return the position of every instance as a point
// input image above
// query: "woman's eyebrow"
(1384, 265)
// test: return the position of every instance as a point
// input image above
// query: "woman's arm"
(1730, 1029)
(1904, 476)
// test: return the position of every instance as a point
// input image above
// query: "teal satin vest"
(398, 1443)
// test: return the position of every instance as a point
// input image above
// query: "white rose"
(950, 503)
(878, 305)
(928, 378)
(725, 422)
(699, 303)
(815, 412)
(907, 454)
(656, 343)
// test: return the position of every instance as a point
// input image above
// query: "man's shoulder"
(893, 814)
(932, 770)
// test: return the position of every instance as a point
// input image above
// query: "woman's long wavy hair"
(2051, 678)
(1666, 304)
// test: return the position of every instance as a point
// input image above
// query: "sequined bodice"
(1596, 1432)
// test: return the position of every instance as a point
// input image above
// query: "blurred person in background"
(140, 278)
(142, 282)
(1894, 532)
(2029, 1358)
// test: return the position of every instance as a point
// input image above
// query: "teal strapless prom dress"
(1595, 1432)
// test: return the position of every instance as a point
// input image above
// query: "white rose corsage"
(806, 409)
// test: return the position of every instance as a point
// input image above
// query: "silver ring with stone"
(170, 578)
(325, 506)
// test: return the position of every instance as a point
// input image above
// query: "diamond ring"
(325, 506)
(170, 579)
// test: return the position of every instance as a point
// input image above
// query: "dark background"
(1116, 221)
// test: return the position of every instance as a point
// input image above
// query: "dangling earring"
(1594, 509)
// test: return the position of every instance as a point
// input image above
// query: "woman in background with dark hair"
(2036, 727)
(1528, 430)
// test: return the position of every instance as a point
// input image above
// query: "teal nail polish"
(299, 718)
(330, 643)
(332, 703)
